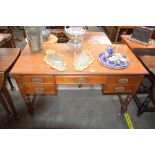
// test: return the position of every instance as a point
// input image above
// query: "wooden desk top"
(7, 57)
(134, 45)
(32, 63)
(4, 37)
(98, 37)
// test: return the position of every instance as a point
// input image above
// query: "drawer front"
(111, 88)
(124, 79)
(40, 89)
(37, 79)
(80, 80)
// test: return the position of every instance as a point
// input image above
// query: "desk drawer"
(40, 89)
(80, 80)
(37, 79)
(124, 79)
(112, 88)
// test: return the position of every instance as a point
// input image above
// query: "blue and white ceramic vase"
(109, 51)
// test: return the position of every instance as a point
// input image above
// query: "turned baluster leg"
(25, 97)
(124, 106)
(32, 105)
(27, 102)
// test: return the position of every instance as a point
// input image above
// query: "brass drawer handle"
(120, 89)
(81, 80)
(37, 80)
(123, 80)
(39, 89)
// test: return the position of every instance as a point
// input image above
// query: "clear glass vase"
(34, 37)
(76, 35)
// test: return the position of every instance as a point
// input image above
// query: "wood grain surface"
(32, 62)
(8, 57)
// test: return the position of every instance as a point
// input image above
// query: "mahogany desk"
(34, 76)
(146, 55)
(8, 56)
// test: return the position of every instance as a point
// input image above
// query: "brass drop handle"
(81, 80)
(123, 80)
(37, 80)
(120, 89)
(39, 89)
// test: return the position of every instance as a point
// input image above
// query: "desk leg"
(26, 100)
(30, 105)
(4, 104)
(10, 82)
(10, 102)
(125, 104)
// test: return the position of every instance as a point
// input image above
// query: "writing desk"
(35, 77)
